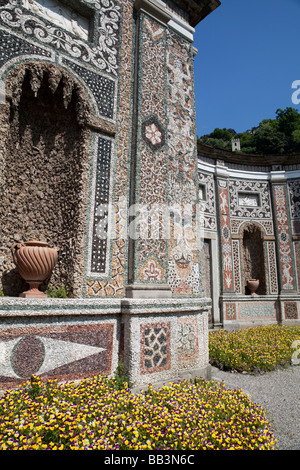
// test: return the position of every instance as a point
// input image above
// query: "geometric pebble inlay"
(101, 213)
(22, 357)
(155, 348)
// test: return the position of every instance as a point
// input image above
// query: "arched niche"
(45, 148)
(253, 257)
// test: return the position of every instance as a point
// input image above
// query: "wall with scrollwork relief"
(70, 52)
(254, 208)
(97, 117)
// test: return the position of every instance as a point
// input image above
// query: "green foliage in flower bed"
(257, 349)
(58, 293)
(95, 414)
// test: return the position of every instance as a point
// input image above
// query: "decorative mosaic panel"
(290, 310)
(284, 238)
(272, 266)
(261, 211)
(187, 342)
(225, 236)
(266, 224)
(155, 347)
(153, 133)
(102, 88)
(237, 266)
(151, 270)
(66, 352)
(98, 52)
(207, 207)
(115, 285)
(257, 309)
(230, 312)
(184, 276)
(152, 162)
(182, 189)
(297, 255)
(294, 193)
(206, 267)
(101, 206)
(12, 46)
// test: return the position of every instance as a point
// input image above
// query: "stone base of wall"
(165, 339)
(246, 311)
(69, 339)
(290, 309)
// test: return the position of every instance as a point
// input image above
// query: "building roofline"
(245, 158)
(197, 9)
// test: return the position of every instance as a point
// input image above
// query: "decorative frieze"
(283, 230)
(250, 199)
(227, 263)
(100, 51)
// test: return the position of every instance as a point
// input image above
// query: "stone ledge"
(16, 306)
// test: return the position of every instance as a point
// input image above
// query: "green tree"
(289, 123)
(273, 136)
(269, 140)
(223, 134)
(219, 138)
(246, 141)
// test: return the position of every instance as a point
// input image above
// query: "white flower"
(153, 134)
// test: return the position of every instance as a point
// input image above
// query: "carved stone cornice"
(151, 7)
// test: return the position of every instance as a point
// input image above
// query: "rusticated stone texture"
(44, 179)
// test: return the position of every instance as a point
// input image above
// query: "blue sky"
(248, 57)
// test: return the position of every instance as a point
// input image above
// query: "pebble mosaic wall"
(60, 351)
(226, 236)
(155, 347)
(287, 273)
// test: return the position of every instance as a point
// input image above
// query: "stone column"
(164, 317)
(147, 244)
(164, 251)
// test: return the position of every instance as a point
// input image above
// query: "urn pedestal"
(35, 262)
(253, 285)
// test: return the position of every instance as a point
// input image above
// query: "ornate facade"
(250, 216)
(98, 157)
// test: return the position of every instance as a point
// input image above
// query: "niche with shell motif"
(44, 164)
(253, 258)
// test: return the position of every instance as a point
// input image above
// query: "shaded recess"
(45, 165)
(253, 258)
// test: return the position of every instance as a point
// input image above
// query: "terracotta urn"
(252, 285)
(35, 262)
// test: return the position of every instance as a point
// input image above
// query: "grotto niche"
(45, 166)
(253, 258)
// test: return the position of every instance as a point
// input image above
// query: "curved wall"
(250, 214)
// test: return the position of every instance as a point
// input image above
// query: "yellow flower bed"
(254, 349)
(95, 415)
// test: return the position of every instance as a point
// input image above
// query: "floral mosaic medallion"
(151, 271)
(153, 133)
